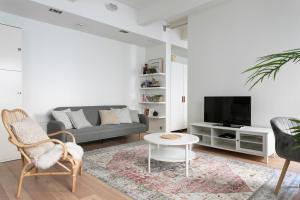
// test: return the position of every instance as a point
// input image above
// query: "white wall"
(226, 39)
(63, 67)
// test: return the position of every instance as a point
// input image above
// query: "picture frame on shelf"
(155, 66)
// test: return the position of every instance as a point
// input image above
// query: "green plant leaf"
(269, 66)
(295, 120)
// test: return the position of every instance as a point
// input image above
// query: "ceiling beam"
(169, 10)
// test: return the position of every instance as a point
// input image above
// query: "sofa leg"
(140, 136)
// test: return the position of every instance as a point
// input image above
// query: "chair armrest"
(144, 120)
(66, 133)
(65, 152)
(285, 146)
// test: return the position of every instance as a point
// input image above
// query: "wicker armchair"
(69, 165)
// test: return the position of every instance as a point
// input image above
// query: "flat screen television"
(228, 111)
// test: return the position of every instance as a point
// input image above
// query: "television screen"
(228, 110)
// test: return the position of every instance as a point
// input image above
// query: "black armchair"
(284, 144)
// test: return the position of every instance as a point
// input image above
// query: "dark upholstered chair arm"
(284, 141)
(285, 147)
(144, 120)
(55, 126)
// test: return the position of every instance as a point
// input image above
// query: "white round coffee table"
(168, 150)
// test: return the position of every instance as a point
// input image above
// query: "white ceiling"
(40, 12)
(138, 3)
(144, 25)
(150, 11)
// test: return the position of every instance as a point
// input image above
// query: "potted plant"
(268, 67)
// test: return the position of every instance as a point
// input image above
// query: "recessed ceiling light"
(111, 7)
(123, 31)
(79, 25)
(55, 11)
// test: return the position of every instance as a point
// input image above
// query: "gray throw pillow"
(62, 116)
(134, 114)
(78, 119)
(123, 115)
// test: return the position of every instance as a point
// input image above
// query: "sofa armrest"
(144, 120)
(56, 126)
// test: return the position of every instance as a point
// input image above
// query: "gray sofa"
(98, 131)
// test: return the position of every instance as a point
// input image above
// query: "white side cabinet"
(10, 83)
(249, 140)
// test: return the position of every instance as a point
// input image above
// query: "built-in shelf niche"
(153, 98)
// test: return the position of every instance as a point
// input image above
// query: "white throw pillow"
(108, 117)
(134, 114)
(62, 116)
(29, 132)
(123, 114)
(78, 119)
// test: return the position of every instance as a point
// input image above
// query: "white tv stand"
(249, 140)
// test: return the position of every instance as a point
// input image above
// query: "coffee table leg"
(149, 158)
(186, 160)
(190, 154)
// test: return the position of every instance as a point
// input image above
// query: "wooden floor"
(89, 187)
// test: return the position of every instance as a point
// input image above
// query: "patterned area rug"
(124, 167)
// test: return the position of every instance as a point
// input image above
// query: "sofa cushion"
(134, 114)
(63, 117)
(109, 117)
(123, 115)
(78, 119)
(107, 131)
(92, 112)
